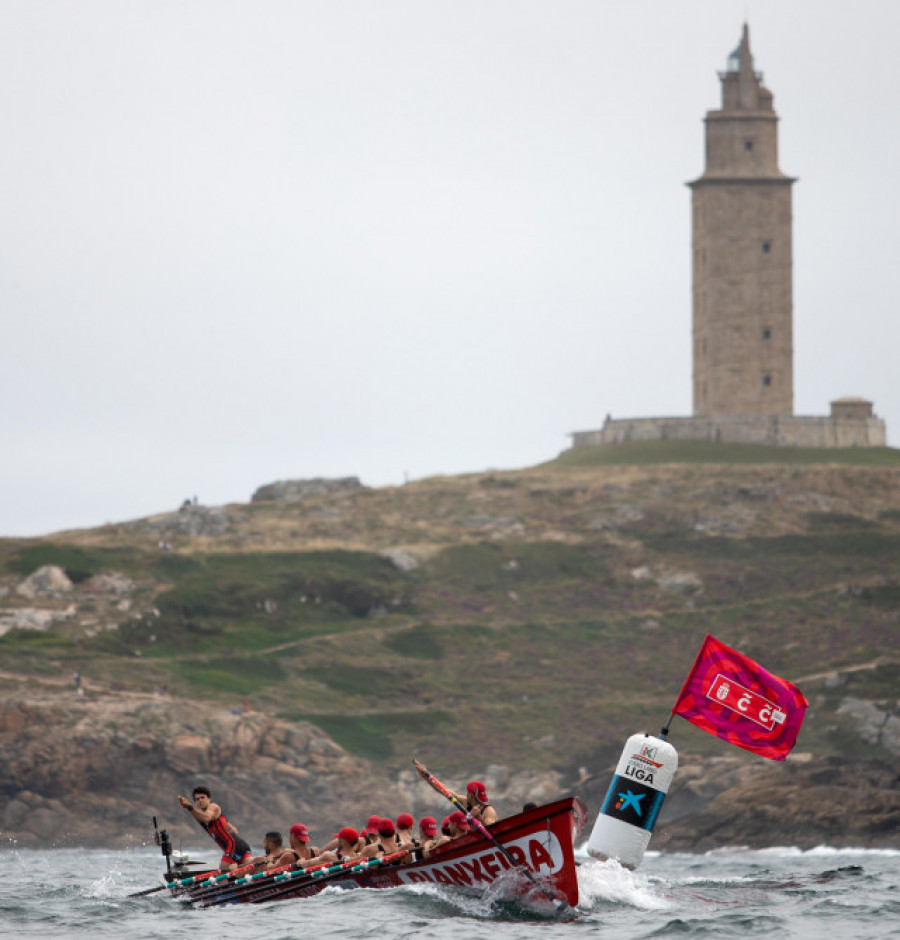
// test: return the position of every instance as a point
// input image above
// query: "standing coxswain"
(235, 850)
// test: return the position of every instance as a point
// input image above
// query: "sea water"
(733, 893)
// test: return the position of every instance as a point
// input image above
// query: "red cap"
(478, 790)
(386, 827)
(300, 831)
(460, 819)
(348, 834)
(445, 822)
(372, 823)
(405, 821)
(428, 825)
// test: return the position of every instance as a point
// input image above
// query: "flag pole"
(664, 731)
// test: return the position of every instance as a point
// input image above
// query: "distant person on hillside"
(235, 850)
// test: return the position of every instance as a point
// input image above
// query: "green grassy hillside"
(704, 452)
(550, 612)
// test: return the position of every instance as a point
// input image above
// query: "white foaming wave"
(582, 854)
(830, 851)
(609, 881)
(424, 888)
(716, 880)
(106, 886)
(778, 851)
(793, 851)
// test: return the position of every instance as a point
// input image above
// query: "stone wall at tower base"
(774, 430)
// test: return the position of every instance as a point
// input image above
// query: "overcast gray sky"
(246, 241)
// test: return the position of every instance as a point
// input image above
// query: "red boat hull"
(541, 840)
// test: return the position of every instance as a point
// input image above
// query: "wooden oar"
(204, 881)
(206, 888)
(143, 894)
(284, 879)
(479, 825)
(285, 883)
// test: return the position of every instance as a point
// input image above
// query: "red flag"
(734, 698)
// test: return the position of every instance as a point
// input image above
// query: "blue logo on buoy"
(630, 799)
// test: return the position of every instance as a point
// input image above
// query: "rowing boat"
(539, 840)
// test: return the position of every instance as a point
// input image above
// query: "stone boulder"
(47, 581)
(401, 559)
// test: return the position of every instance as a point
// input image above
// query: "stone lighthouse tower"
(742, 258)
(743, 295)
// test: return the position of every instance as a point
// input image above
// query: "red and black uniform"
(234, 848)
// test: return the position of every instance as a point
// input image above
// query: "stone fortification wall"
(775, 430)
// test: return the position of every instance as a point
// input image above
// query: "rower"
(276, 854)
(386, 844)
(405, 835)
(345, 849)
(370, 833)
(348, 842)
(455, 826)
(301, 848)
(235, 850)
(477, 803)
(459, 825)
(428, 832)
(366, 836)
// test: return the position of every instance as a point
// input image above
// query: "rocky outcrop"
(831, 801)
(294, 491)
(193, 520)
(32, 618)
(93, 772)
(108, 582)
(875, 725)
(805, 802)
(86, 606)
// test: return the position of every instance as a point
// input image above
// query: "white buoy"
(634, 799)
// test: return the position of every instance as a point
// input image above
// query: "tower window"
(767, 380)
(766, 247)
(767, 333)
(748, 145)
